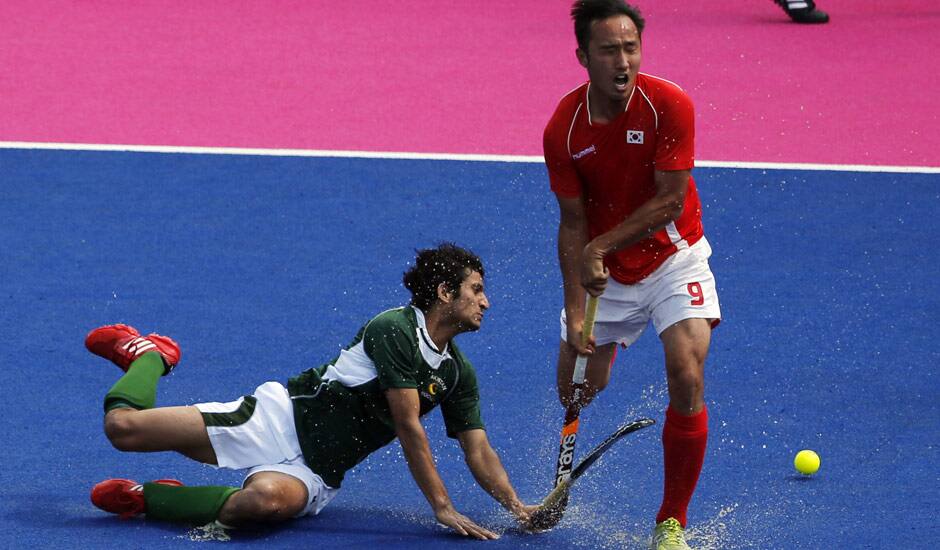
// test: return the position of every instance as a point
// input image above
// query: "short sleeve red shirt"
(612, 166)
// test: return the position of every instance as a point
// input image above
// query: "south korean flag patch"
(635, 136)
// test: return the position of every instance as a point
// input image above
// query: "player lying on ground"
(296, 443)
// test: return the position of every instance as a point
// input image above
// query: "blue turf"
(263, 266)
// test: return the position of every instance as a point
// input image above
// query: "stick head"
(552, 509)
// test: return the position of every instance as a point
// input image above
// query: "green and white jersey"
(340, 408)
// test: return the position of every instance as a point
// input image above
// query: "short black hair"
(585, 12)
(447, 263)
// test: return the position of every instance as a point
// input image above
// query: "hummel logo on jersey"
(635, 136)
(587, 151)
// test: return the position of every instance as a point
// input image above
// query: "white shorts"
(257, 433)
(682, 288)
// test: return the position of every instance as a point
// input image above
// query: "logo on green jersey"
(434, 389)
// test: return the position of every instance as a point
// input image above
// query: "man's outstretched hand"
(463, 525)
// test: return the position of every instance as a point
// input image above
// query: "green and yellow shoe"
(669, 535)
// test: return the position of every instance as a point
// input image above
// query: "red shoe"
(123, 496)
(122, 344)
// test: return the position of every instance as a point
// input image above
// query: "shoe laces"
(671, 531)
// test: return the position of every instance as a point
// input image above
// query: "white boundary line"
(438, 156)
(823, 167)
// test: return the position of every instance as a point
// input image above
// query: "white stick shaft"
(580, 366)
(587, 329)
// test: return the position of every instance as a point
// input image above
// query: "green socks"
(197, 505)
(137, 389)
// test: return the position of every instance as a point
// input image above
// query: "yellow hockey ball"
(806, 462)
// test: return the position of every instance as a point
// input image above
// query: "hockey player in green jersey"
(297, 442)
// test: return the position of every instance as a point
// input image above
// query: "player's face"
(613, 58)
(470, 302)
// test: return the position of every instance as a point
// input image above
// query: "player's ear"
(444, 294)
(582, 57)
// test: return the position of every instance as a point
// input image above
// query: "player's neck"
(603, 109)
(440, 331)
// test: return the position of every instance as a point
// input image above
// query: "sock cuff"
(695, 423)
(112, 402)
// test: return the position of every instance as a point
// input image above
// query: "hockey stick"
(553, 507)
(569, 433)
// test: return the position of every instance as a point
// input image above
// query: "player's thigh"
(686, 343)
(683, 289)
(686, 346)
(684, 309)
(161, 429)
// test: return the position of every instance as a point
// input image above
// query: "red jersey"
(612, 166)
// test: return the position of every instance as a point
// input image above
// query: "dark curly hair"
(448, 264)
(585, 12)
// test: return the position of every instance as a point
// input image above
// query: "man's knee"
(686, 386)
(687, 376)
(272, 500)
(121, 430)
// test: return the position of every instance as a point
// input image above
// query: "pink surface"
(462, 77)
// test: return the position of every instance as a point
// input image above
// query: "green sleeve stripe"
(235, 418)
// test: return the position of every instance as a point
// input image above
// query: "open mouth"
(621, 81)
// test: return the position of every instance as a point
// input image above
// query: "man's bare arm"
(487, 469)
(405, 405)
(572, 239)
(664, 208)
